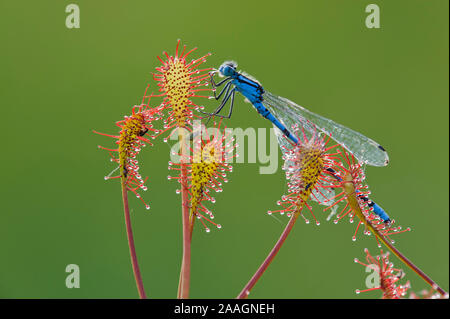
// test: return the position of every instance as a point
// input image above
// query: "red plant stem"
(133, 256)
(354, 204)
(191, 230)
(410, 264)
(180, 281)
(248, 287)
(185, 274)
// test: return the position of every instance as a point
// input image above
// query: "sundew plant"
(323, 162)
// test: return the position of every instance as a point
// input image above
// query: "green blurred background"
(58, 84)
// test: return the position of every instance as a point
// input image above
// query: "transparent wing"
(362, 147)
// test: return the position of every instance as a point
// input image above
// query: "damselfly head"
(228, 68)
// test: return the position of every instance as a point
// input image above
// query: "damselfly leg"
(229, 93)
(216, 85)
